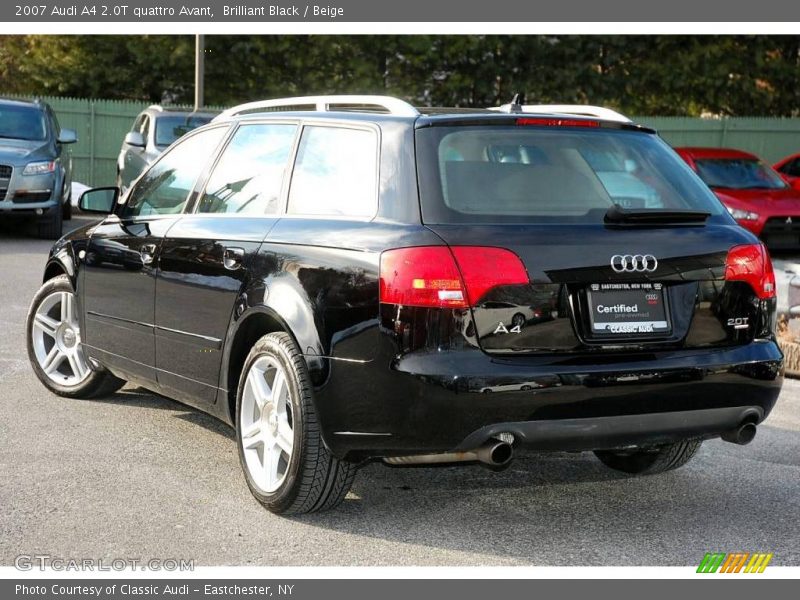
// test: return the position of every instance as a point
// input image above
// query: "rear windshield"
(493, 173)
(738, 174)
(22, 123)
(170, 128)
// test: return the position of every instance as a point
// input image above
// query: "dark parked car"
(332, 276)
(35, 165)
(152, 132)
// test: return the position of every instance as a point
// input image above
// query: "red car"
(753, 192)
(789, 168)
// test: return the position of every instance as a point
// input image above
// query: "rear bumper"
(443, 401)
(619, 431)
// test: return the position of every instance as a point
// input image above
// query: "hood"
(21, 151)
(773, 200)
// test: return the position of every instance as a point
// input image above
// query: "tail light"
(557, 122)
(751, 263)
(441, 277)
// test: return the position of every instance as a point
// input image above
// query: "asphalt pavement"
(139, 476)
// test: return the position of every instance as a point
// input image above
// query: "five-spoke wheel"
(56, 339)
(266, 423)
(286, 464)
(55, 344)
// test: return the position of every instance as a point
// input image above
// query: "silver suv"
(35, 165)
(153, 131)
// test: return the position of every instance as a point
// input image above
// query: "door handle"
(232, 258)
(147, 252)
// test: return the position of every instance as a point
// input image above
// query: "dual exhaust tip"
(495, 454)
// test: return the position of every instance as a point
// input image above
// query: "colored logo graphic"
(737, 562)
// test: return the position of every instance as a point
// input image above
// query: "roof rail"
(584, 110)
(394, 106)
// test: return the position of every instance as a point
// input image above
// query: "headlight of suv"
(742, 215)
(40, 168)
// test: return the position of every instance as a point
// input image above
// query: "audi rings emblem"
(634, 263)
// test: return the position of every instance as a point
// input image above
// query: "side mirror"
(99, 200)
(134, 138)
(67, 136)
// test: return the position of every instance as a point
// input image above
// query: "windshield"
(529, 174)
(738, 174)
(170, 128)
(22, 123)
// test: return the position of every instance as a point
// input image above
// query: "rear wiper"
(648, 216)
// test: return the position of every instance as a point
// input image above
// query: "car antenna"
(516, 103)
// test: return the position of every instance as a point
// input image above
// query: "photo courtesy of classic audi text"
(419, 299)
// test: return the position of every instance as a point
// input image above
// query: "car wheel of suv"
(285, 462)
(54, 345)
(51, 228)
(66, 213)
(651, 460)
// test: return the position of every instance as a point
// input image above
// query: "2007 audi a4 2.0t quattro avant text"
(349, 278)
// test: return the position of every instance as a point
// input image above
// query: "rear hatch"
(622, 248)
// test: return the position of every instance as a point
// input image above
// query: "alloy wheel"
(56, 340)
(266, 424)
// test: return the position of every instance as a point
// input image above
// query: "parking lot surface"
(139, 476)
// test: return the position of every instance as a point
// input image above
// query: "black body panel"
(203, 269)
(119, 278)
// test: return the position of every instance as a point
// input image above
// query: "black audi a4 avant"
(349, 278)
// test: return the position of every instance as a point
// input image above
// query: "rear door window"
(249, 176)
(335, 172)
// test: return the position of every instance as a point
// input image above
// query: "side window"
(165, 187)
(56, 124)
(249, 175)
(137, 124)
(335, 173)
(792, 168)
(144, 126)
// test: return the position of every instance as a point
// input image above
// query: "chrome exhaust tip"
(742, 435)
(495, 454)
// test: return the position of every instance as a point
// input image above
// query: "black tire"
(652, 460)
(315, 480)
(51, 228)
(66, 203)
(99, 383)
(66, 211)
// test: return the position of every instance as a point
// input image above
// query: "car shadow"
(18, 229)
(550, 508)
(139, 397)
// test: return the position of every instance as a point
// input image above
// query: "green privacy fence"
(101, 125)
(769, 138)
